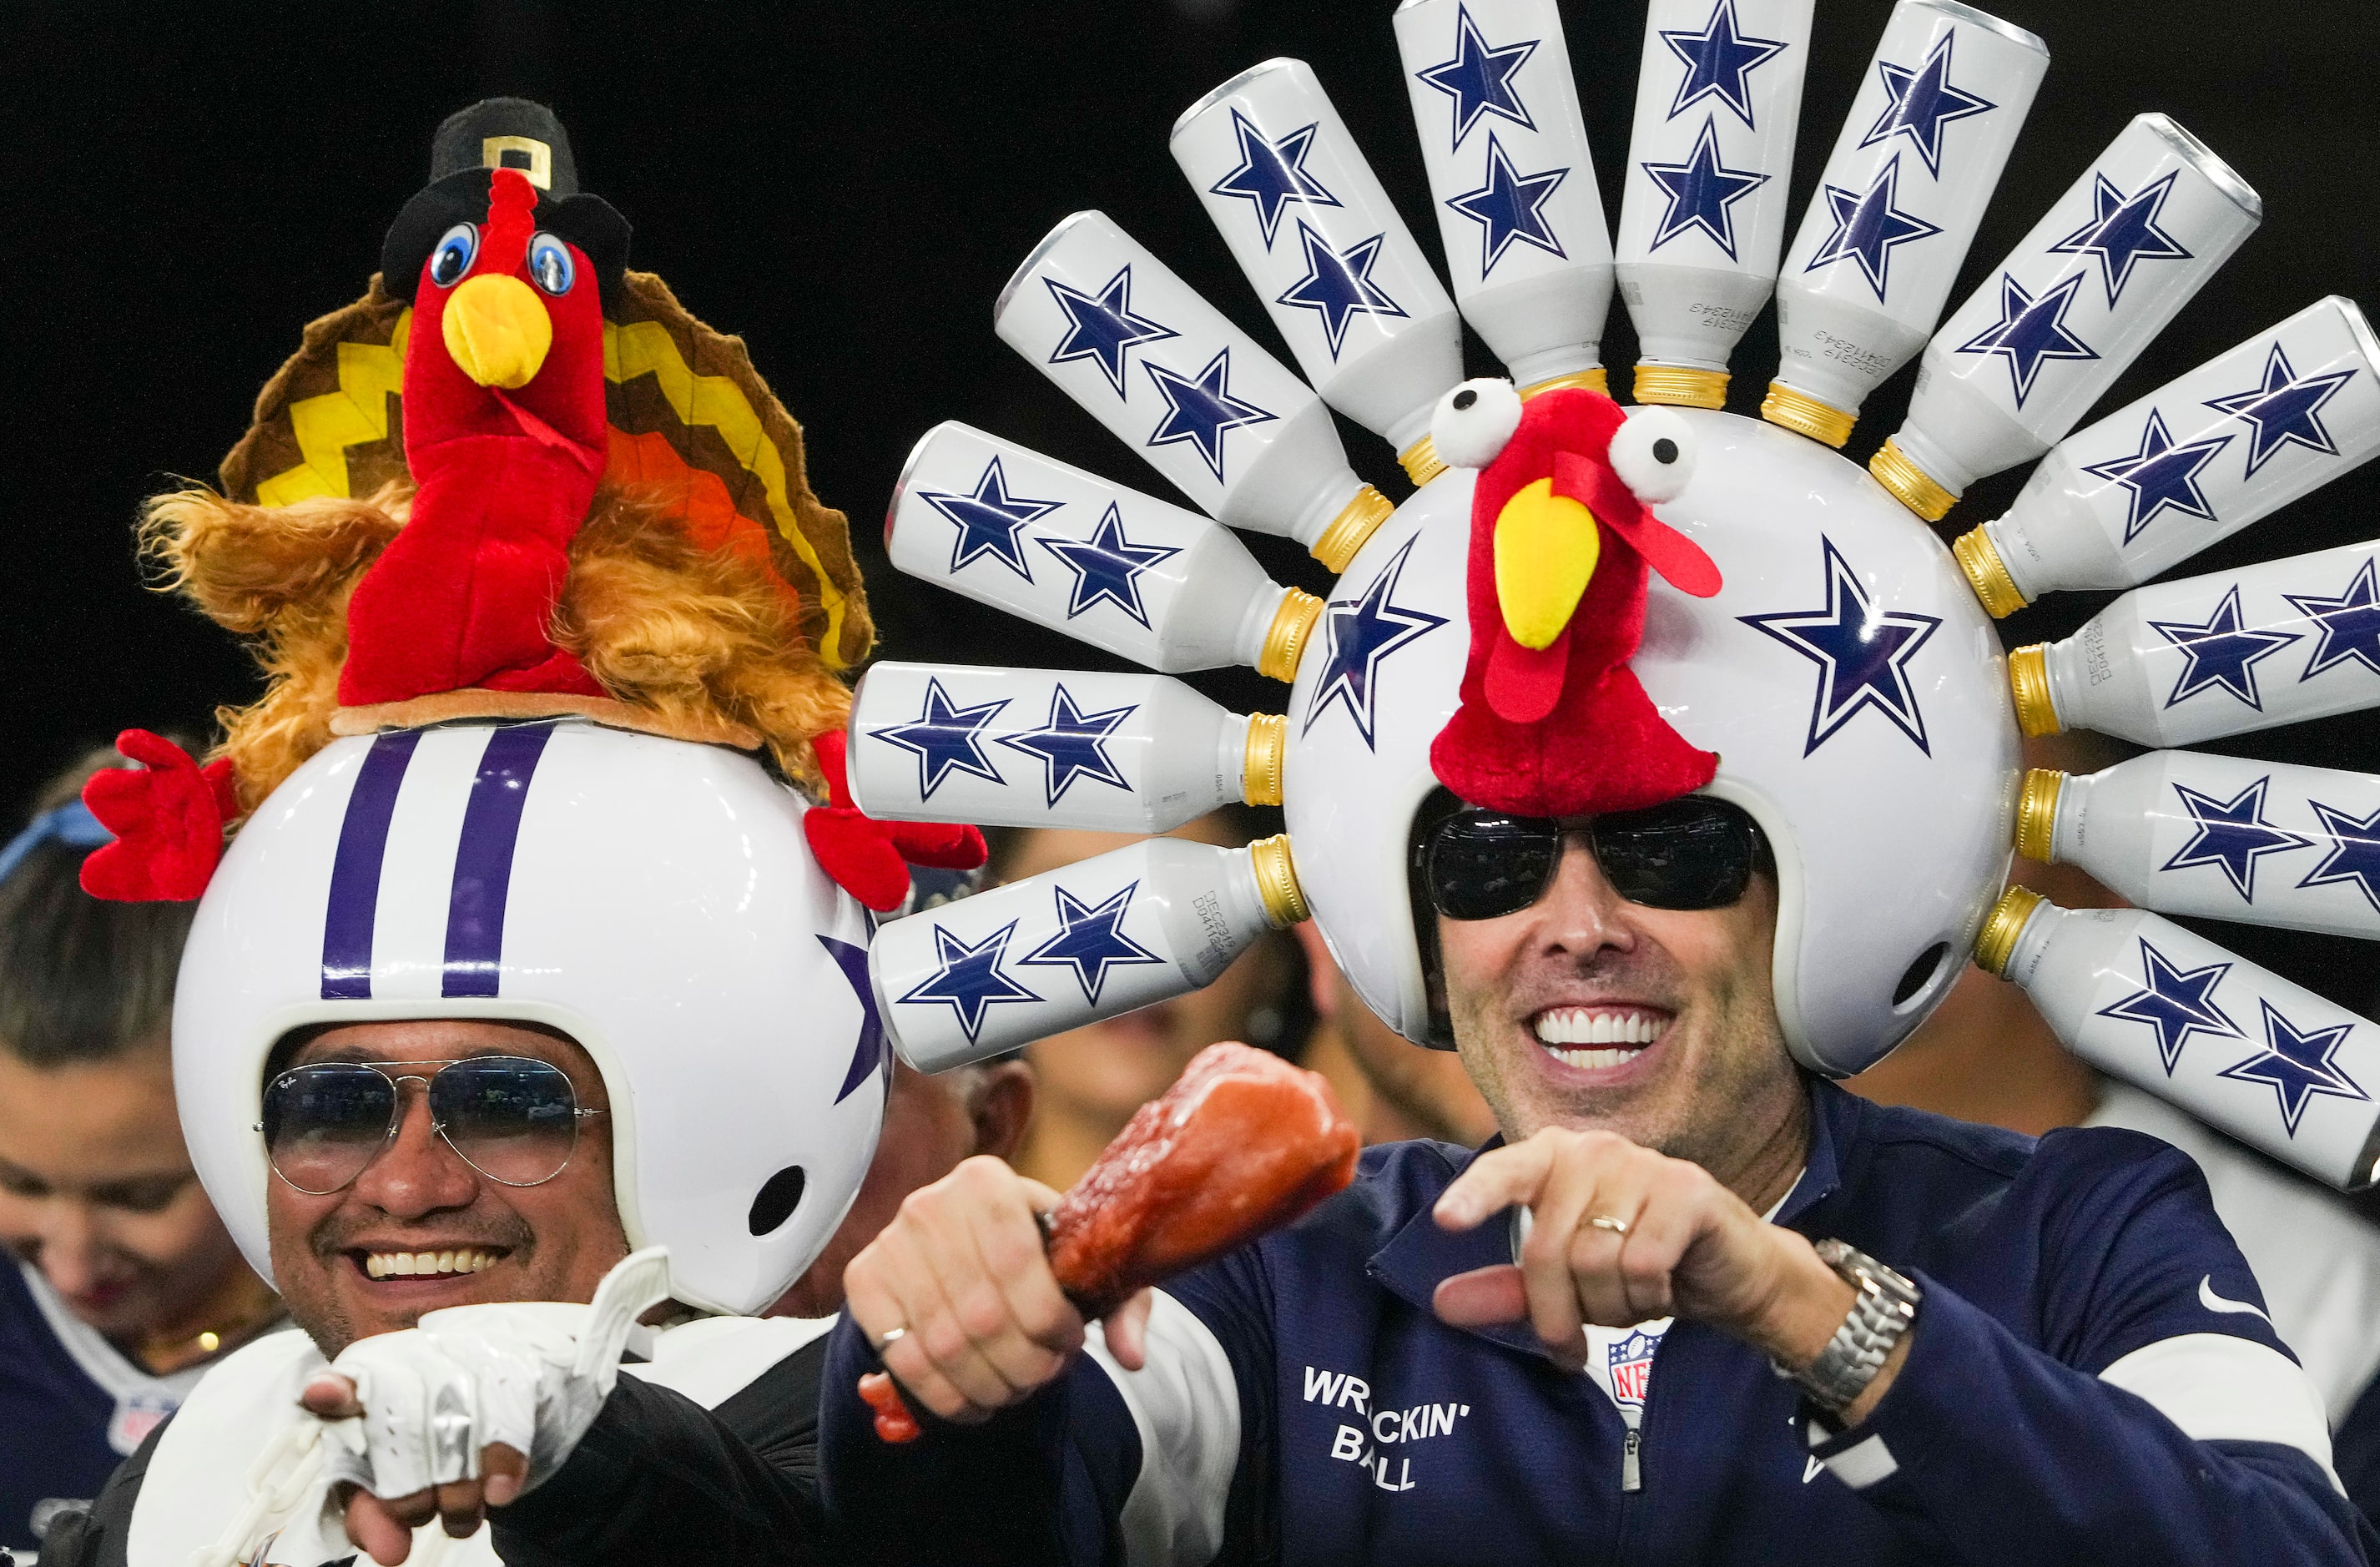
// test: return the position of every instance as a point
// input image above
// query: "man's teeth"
(427, 1264)
(1622, 1034)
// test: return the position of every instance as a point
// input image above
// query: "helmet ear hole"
(1920, 973)
(779, 1195)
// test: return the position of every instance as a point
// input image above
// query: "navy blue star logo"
(2354, 850)
(2123, 230)
(2284, 410)
(1102, 326)
(2160, 475)
(1922, 102)
(1867, 226)
(2300, 1065)
(1107, 567)
(867, 1055)
(2220, 652)
(1479, 78)
(1361, 632)
(2232, 833)
(1717, 61)
(969, 980)
(1862, 656)
(1070, 745)
(1510, 206)
(2351, 625)
(989, 520)
(1201, 408)
(946, 739)
(1338, 284)
(2031, 332)
(1272, 173)
(1090, 940)
(2177, 1003)
(1700, 191)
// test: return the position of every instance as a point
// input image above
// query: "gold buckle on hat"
(540, 167)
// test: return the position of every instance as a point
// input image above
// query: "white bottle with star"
(2223, 837)
(1902, 197)
(1702, 211)
(2170, 1013)
(1126, 929)
(1065, 549)
(2057, 322)
(1053, 747)
(1174, 380)
(1501, 134)
(1308, 222)
(2194, 462)
(2177, 663)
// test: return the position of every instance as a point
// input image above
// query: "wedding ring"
(891, 1336)
(1605, 1222)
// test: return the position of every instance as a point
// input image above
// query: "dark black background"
(848, 185)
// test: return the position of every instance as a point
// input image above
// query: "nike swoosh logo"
(2213, 1301)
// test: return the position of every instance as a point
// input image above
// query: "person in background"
(123, 1284)
(1389, 1088)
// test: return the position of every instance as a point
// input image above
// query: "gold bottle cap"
(2036, 712)
(2002, 928)
(1594, 379)
(1285, 900)
(1357, 521)
(1260, 774)
(1680, 386)
(1421, 461)
(1284, 643)
(1980, 559)
(1805, 415)
(1910, 484)
(2036, 814)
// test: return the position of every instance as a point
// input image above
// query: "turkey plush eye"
(453, 257)
(1654, 454)
(550, 264)
(1472, 422)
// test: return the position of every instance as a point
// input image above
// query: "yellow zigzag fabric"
(354, 414)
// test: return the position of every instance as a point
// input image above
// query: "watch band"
(1884, 1303)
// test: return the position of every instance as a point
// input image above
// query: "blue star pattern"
(989, 520)
(1070, 745)
(946, 739)
(1479, 78)
(1510, 206)
(1201, 410)
(867, 1055)
(1717, 61)
(2351, 625)
(2354, 852)
(2232, 833)
(1867, 226)
(2160, 475)
(1363, 631)
(2031, 332)
(1090, 941)
(1700, 191)
(1338, 284)
(2177, 1003)
(1102, 326)
(1272, 173)
(1922, 101)
(2285, 411)
(1107, 567)
(2220, 652)
(969, 981)
(2123, 230)
(2299, 1064)
(1863, 655)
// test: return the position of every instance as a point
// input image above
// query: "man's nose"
(1580, 913)
(418, 1172)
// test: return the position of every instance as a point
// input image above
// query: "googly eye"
(1654, 454)
(1472, 422)
(550, 264)
(453, 257)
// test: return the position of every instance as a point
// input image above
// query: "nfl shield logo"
(1630, 1361)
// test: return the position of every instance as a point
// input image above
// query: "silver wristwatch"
(1883, 1305)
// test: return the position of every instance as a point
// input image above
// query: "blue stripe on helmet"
(483, 860)
(355, 872)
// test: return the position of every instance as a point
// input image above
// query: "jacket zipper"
(1632, 1473)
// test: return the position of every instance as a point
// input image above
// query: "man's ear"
(1001, 1107)
(1321, 974)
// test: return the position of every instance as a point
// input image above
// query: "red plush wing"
(168, 817)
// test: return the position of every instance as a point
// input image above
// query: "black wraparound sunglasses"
(1691, 853)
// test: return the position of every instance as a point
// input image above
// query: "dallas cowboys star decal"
(1509, 207)
(2221, 652)
(2177, 1003)
(2354, 852)
(1338, 284)
(2232, 833)
(2161, 477)
(2300, 1065)
(969, 981)
(1201, 410)
(1479, 78)
(2123, 230)
(2031, 332)
(1922, 101)
(1362, 631)
(1101, 327)
(1716, 60)
(2285, 411)
(1272, 173)
(1867, 226)
(947, 739)
(1701, 190)
(1090, 941)
(869, 1054)
(1107, 567)
(1071, 745)
(2349, 623)
(1863, 655)
(989, 520)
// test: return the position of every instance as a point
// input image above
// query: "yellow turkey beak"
(497, 330)
(1545, 549)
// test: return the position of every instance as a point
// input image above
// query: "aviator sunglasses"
(512, 1119)
(1691, 853)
